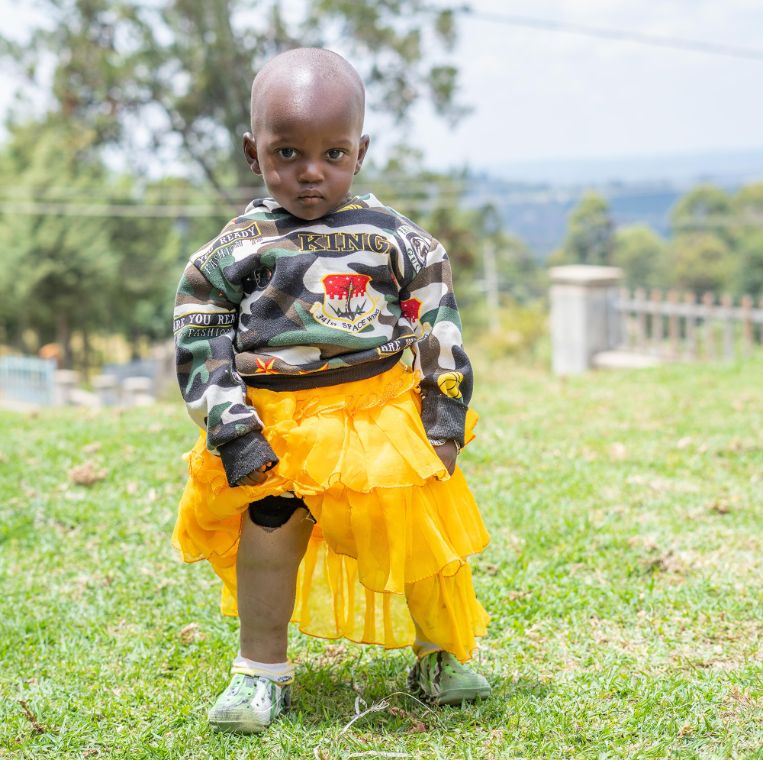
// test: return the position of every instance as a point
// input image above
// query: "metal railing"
(28, 379)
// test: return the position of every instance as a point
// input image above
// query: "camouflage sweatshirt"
(281, 303)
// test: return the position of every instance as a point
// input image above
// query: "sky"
(540, 95)
(547, 95)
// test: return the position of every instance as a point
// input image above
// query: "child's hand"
(255, 477)
(448, 452)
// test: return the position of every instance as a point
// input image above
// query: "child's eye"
(286, 153)
(334, 154)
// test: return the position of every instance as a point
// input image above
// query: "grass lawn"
(624, 580)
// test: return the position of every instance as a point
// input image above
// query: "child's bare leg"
(266, 566)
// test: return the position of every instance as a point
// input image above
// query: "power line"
(112, 210)
(621, 35)
(244, 193)
(732, 220)
(92, 204)
(514, 190)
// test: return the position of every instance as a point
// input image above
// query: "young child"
(323, 488)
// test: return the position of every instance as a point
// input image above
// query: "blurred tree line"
(135, 159)
(134, 162)
(715, 242)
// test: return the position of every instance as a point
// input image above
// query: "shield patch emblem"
(346, 303)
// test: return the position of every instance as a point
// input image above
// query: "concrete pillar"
(65, 383)
(584, 320)
(106, 389)
(137, 391)
(165, 376)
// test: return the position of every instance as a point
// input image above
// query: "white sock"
(280, 672)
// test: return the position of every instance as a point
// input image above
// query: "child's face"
(307, 152)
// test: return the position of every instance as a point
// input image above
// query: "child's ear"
(364, 142)
(250, 152)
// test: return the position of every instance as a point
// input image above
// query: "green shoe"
(443, 680)
(249, 704)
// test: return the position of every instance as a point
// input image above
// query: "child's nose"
(310, 171)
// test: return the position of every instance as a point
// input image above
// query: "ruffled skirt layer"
(393, 530)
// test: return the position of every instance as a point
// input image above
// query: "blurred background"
(523, 136)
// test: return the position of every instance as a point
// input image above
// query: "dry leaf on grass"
(334, 651)
(618, 452)
(37, 727)
(643, 542)
(721, 506)
(739, 695)
(417, 726)
(670, 562)
(191, 633)
(86, 474)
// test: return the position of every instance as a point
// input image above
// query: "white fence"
(677, 325)
(597, 323)
(28, 380)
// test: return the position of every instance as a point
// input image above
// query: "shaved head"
(307, 138)
(305, 78)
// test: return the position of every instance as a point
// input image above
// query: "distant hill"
(534, 198)
(736, 166)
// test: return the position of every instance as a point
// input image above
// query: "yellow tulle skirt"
(393, 530)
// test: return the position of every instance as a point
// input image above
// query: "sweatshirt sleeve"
(428, 302)
(205, 315)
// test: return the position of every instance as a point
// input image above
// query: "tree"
(150, 254)
(747, 211)
(434, 201)
(518, 273)
(748, 275)
(704, 209)
(105, 270)
(642, 255)
(147, 77)
(701, 262)
(747, 207)
(56, 271)
(150, 83)
(590, 234)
